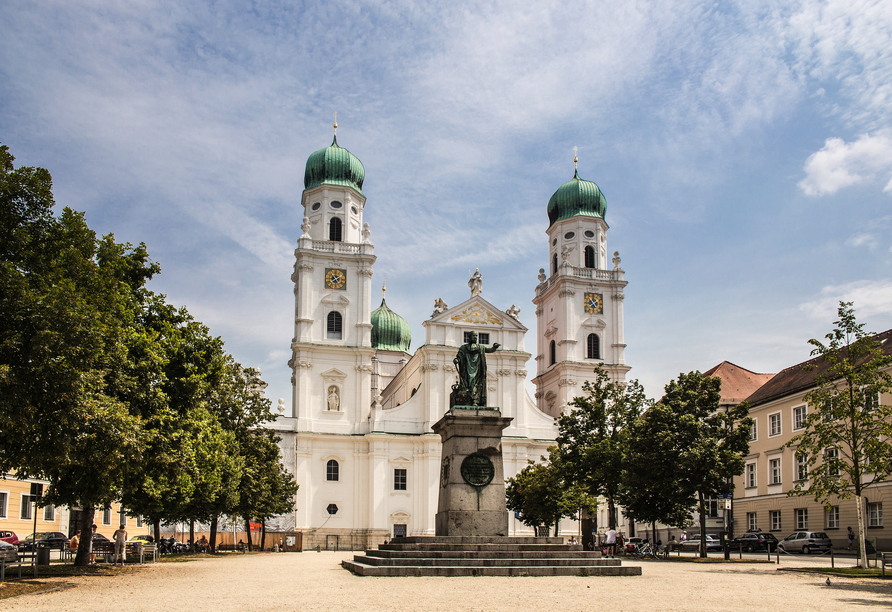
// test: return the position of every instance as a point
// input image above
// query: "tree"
(848, 429)
(683, 449)
(590, 436)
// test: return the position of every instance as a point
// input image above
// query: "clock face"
(594, 303)
(335, 279)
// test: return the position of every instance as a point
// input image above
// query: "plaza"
(316, 582)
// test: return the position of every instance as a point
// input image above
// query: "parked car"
(98, 538)
(50, 539)
(754, 541)
(693, 543)
(8, 552)
(135, 541)
(805, 542)
(631, 543)
(9, 537)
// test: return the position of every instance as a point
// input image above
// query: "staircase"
(484, 556)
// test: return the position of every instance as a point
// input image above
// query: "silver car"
(805, 542)
(8, 552)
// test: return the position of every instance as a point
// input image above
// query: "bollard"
(318, 547)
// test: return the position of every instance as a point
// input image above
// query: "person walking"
(120, 538)
(611, 542)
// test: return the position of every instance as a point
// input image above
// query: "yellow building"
(760, 494)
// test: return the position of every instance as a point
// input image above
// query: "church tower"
(332, 350)
(579, 303)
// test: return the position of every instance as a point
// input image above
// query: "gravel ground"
(315, 581)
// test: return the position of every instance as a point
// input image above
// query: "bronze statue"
(470, 362)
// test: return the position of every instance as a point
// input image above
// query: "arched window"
(554, 264)
(334, 325)
(334, 229)
(589, 257)
(553, 353)
(594, 346)
(331, 470)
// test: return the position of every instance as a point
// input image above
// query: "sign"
(254, 526)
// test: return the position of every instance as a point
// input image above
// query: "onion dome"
(390, 332)
(334, 165)
(576, 197)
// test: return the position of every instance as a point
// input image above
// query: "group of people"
(119, 538)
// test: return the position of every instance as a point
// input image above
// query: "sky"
(745, 151)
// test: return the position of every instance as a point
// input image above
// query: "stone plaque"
(477, 470)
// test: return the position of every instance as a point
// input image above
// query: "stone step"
(483, 562)
(481, 547)
(477, 540)
(493, 554)
(363, 569)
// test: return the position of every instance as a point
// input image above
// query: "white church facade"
(358, 437)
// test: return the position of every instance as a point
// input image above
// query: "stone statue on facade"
(513, 312)
(476, 282)
(470, 362)
(334, 402)
(439, 307)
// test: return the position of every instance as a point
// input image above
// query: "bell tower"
(579, 302)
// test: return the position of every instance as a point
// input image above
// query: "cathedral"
(358, 437)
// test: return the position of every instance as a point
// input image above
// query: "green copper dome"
(576, 197)
(334, 166)
(390, 332)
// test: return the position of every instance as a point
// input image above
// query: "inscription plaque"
(477, 470)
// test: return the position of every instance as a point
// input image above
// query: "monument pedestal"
(472, 478)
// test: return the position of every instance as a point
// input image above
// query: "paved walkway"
(313, 581)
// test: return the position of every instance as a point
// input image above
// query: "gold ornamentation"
(477, 314)
(594, 303)
(335, 278)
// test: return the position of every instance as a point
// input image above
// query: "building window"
(798, 417)
(712, 508)
(801, 518)
(871, 400)
(594, 346)
(481, 338)
(122, 516)
(589, 257)
(750, 475)
(139, 520)
(774, 468)
(25, 511)
(399, 479)
(331, 471)
(831, 518)
(875, 515)
(334, 325)
(106, 515)
(753, 434)
(552, 350)
(4, 502)
(801, 467)
(751, 523)
(334, 229)
(831, 456)
(774, 424)
(49, 513)
(775, 516)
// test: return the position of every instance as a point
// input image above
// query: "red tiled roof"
(796, 378)
(737, 383)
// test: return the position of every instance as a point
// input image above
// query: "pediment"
(334, 374)
(335, 299)
(401, 459)
(594, 323)
(477, 311)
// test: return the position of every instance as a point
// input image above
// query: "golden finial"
(383, 285)
(336, 123)
(575, 159)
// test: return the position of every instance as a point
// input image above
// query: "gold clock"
(335, 278)
(594, 303)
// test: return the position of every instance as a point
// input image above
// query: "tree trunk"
(862, 546)
(212, 543)
(248, 531)
(156, 526)
(85, 546)
(611, 513)
(653, 538)
(702, 504)
(262, 535)
(557, 526)
(191, 535)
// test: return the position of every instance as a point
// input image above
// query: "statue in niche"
(476, 282)
(470, 362)
(334, 401)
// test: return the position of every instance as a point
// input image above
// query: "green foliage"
(591, 435)
(542, 497)
(844, 414)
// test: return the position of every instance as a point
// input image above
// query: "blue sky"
(745, 150)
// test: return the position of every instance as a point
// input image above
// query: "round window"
(336, 204)
(569, 235)
(316, 206)
(355, 212)
(589, 234)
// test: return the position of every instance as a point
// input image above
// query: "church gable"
(477, 311)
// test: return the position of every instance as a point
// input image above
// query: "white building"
(358, 438)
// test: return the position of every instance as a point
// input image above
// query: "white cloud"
(869, 298)
(840, 164)
(862, 239)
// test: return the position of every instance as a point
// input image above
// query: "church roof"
(576, 197)
(390, 332)
(737, 383)
(334, 165)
